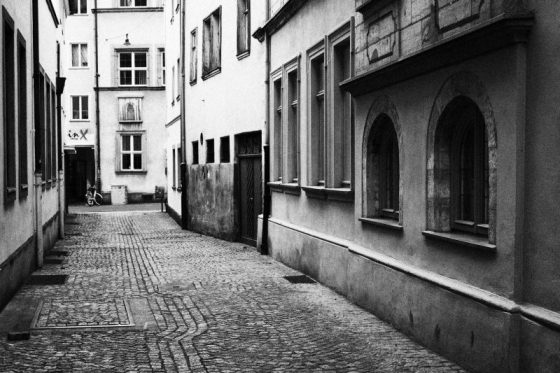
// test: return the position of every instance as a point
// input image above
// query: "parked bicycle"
(92, 197)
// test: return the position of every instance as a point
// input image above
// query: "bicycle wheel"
(98, 199)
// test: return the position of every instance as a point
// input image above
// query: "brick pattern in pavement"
(215, 306)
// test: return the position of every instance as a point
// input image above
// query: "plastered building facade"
(428, 196)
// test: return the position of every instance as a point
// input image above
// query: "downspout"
(97, 125)
(61, 178)
(37, 176)
(183, 123)
(266, 148)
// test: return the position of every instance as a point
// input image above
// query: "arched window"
(382, 170)
(462, 165)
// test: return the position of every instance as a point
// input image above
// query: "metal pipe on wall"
(184, 176)
(97, 121)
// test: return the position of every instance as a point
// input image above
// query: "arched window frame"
(438, 182)
(381, 112)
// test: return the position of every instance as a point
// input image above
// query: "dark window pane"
(83, 6)
(137, 161)
(76, 107)
(125, 60)
(140, 78)
(140, 59)
(137, 143)
(141, 3)
(85, 107)
(126, 161)
(126, 77)
(73, 6)
(466, 176)
(126, 143)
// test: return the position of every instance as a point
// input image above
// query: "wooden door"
(249, 185)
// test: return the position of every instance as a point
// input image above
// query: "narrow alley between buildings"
(143, 295)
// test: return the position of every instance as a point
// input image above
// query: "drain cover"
(300, 279)
(47, 279)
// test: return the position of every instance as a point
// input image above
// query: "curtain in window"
(75, 55)
(84, 54)
(126, 2)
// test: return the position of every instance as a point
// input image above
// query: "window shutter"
(159, 69)
(116, 69)
(144, 152)
(118, 157)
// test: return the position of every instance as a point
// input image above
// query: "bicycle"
(93, 198)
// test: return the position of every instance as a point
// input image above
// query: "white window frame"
(80, 104)
(132, 152)
(138, 110)
(80, 61)
(161, 64)
(132, 68)
(79, 2)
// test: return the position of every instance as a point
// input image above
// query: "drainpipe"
(61, 179)
(37, 181)
(266, 148)
(183, 122)
(97, 125)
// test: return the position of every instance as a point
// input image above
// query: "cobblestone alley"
(142, 295)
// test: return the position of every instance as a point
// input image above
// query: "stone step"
(51, 259)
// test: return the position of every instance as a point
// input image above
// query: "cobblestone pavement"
(144, 296)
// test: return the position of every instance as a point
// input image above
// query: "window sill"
(131, 172)
(78, 68)
(79, 120)
(333, 194)
(244, 54)
(212, 73)
(192, 82)
(384, 223)
(130, 122)
(461, 239)
(288, 188)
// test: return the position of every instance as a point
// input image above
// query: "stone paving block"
(198, 304)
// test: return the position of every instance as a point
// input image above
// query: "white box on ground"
(119, 195)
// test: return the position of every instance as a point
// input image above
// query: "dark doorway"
(80, 172)
(249, 184)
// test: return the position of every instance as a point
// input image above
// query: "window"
(243, 27)
(210, 151)
(194, 55)
(48, 131)
(195, 152)
(80, 107)
(224, 149)
(278, 136)
(178, 79)
(133, 68)
(212, 48)
(292, 124)
(470, 174)
(9, 134)
(78, 7)
(462, 162)
(22, 114)
(40, 132)
(173, 182)
(133, 3)
(317, 134)
(131, 156)
(382, 170)
(161, 67)
(179, 161)
(53, 151)
(79, 55)
(341, 116)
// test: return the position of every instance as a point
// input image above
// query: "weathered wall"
(211, 200)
